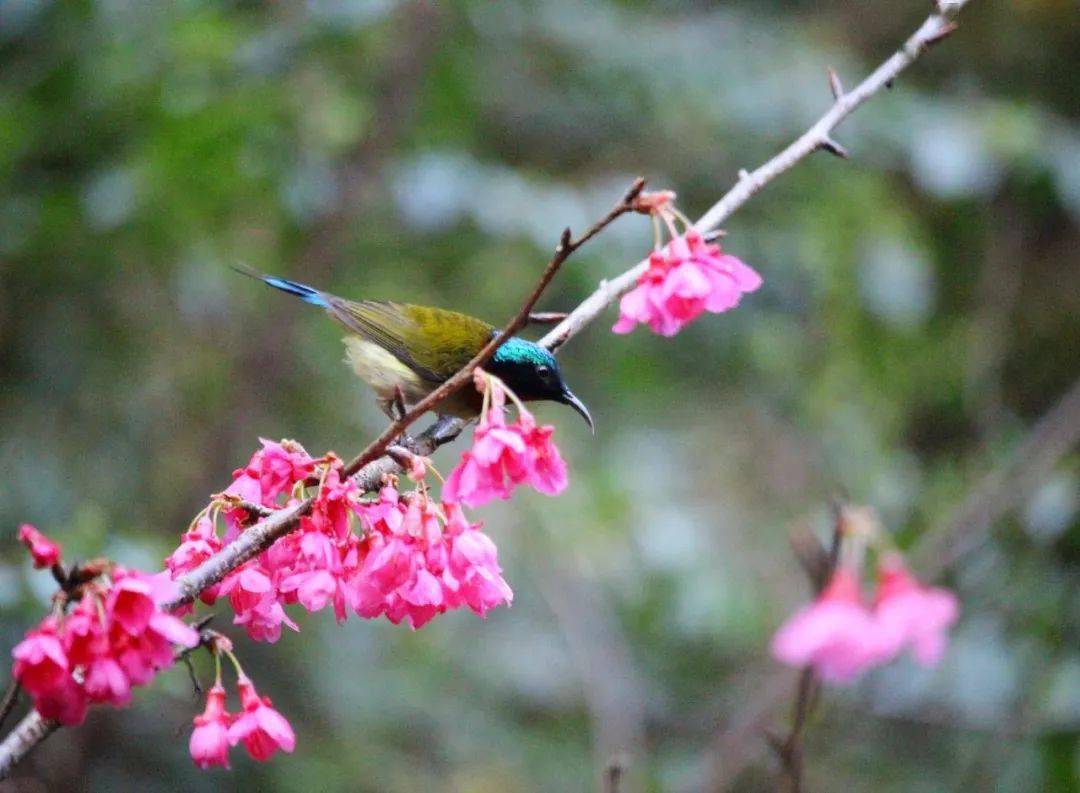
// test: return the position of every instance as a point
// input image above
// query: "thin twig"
(11, 699)
(818, 137)
(789, 749)
(547, 317)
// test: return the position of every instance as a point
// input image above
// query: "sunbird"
(404, 352)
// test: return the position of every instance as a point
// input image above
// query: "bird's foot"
(445, 429)
(397, 405)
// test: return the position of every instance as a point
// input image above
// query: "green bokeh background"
(921, 311)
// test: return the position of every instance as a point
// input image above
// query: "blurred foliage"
(921, 310)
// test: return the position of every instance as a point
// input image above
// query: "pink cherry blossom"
(503, 456)
(107, 682)
(688, 277)
(272, 470)
(209, 744)
(261, 729)
(473, 575)
(40, 661)
(131, 604)
(431, 561)
(836, 634)
(44, 551)
(66, 703)
(547, 470)
(398, 567)
(911, 615)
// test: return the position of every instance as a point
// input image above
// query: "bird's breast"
(383, 371)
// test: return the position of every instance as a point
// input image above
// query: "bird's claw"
(445, 429)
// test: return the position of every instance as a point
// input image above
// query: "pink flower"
(272, 470)
(65, 703)
(254, 598)
(40, 661)
(912, 615)
(260, 728)
(836, 635)
(107, 682)
(547, 472)
(314, 589)
(131, 604)
(473, 575)
(688, 277)
(504, 456)
(44, 551)
(209, 744)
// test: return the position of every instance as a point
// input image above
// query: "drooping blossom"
(40, 661)
(837, 634)
(425, 561)
(683, 280)
(910, 615)
(473, 575)
(504, 456)
(44, 551)
(261, 728)
(115, 637)
(209, 744)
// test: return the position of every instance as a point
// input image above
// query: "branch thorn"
(547, 317)
(564, 241)
(634, 191)
(831, 146)
(835, 85)
(947, 30)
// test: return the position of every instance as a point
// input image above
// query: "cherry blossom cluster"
(404, 556)
(103, 637)
(504, 456)
(258, 726)
(843, 634)
(685, 277)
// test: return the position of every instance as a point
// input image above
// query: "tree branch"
(819, 136)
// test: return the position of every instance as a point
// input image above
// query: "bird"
(405, 351)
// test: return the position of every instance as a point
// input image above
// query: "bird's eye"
(544, 372)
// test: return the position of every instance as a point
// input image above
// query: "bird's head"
(532, 373)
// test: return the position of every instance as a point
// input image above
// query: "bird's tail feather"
(302, 291)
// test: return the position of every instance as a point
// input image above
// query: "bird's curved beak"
(570, 399)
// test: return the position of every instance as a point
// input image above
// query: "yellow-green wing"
(433, 342)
